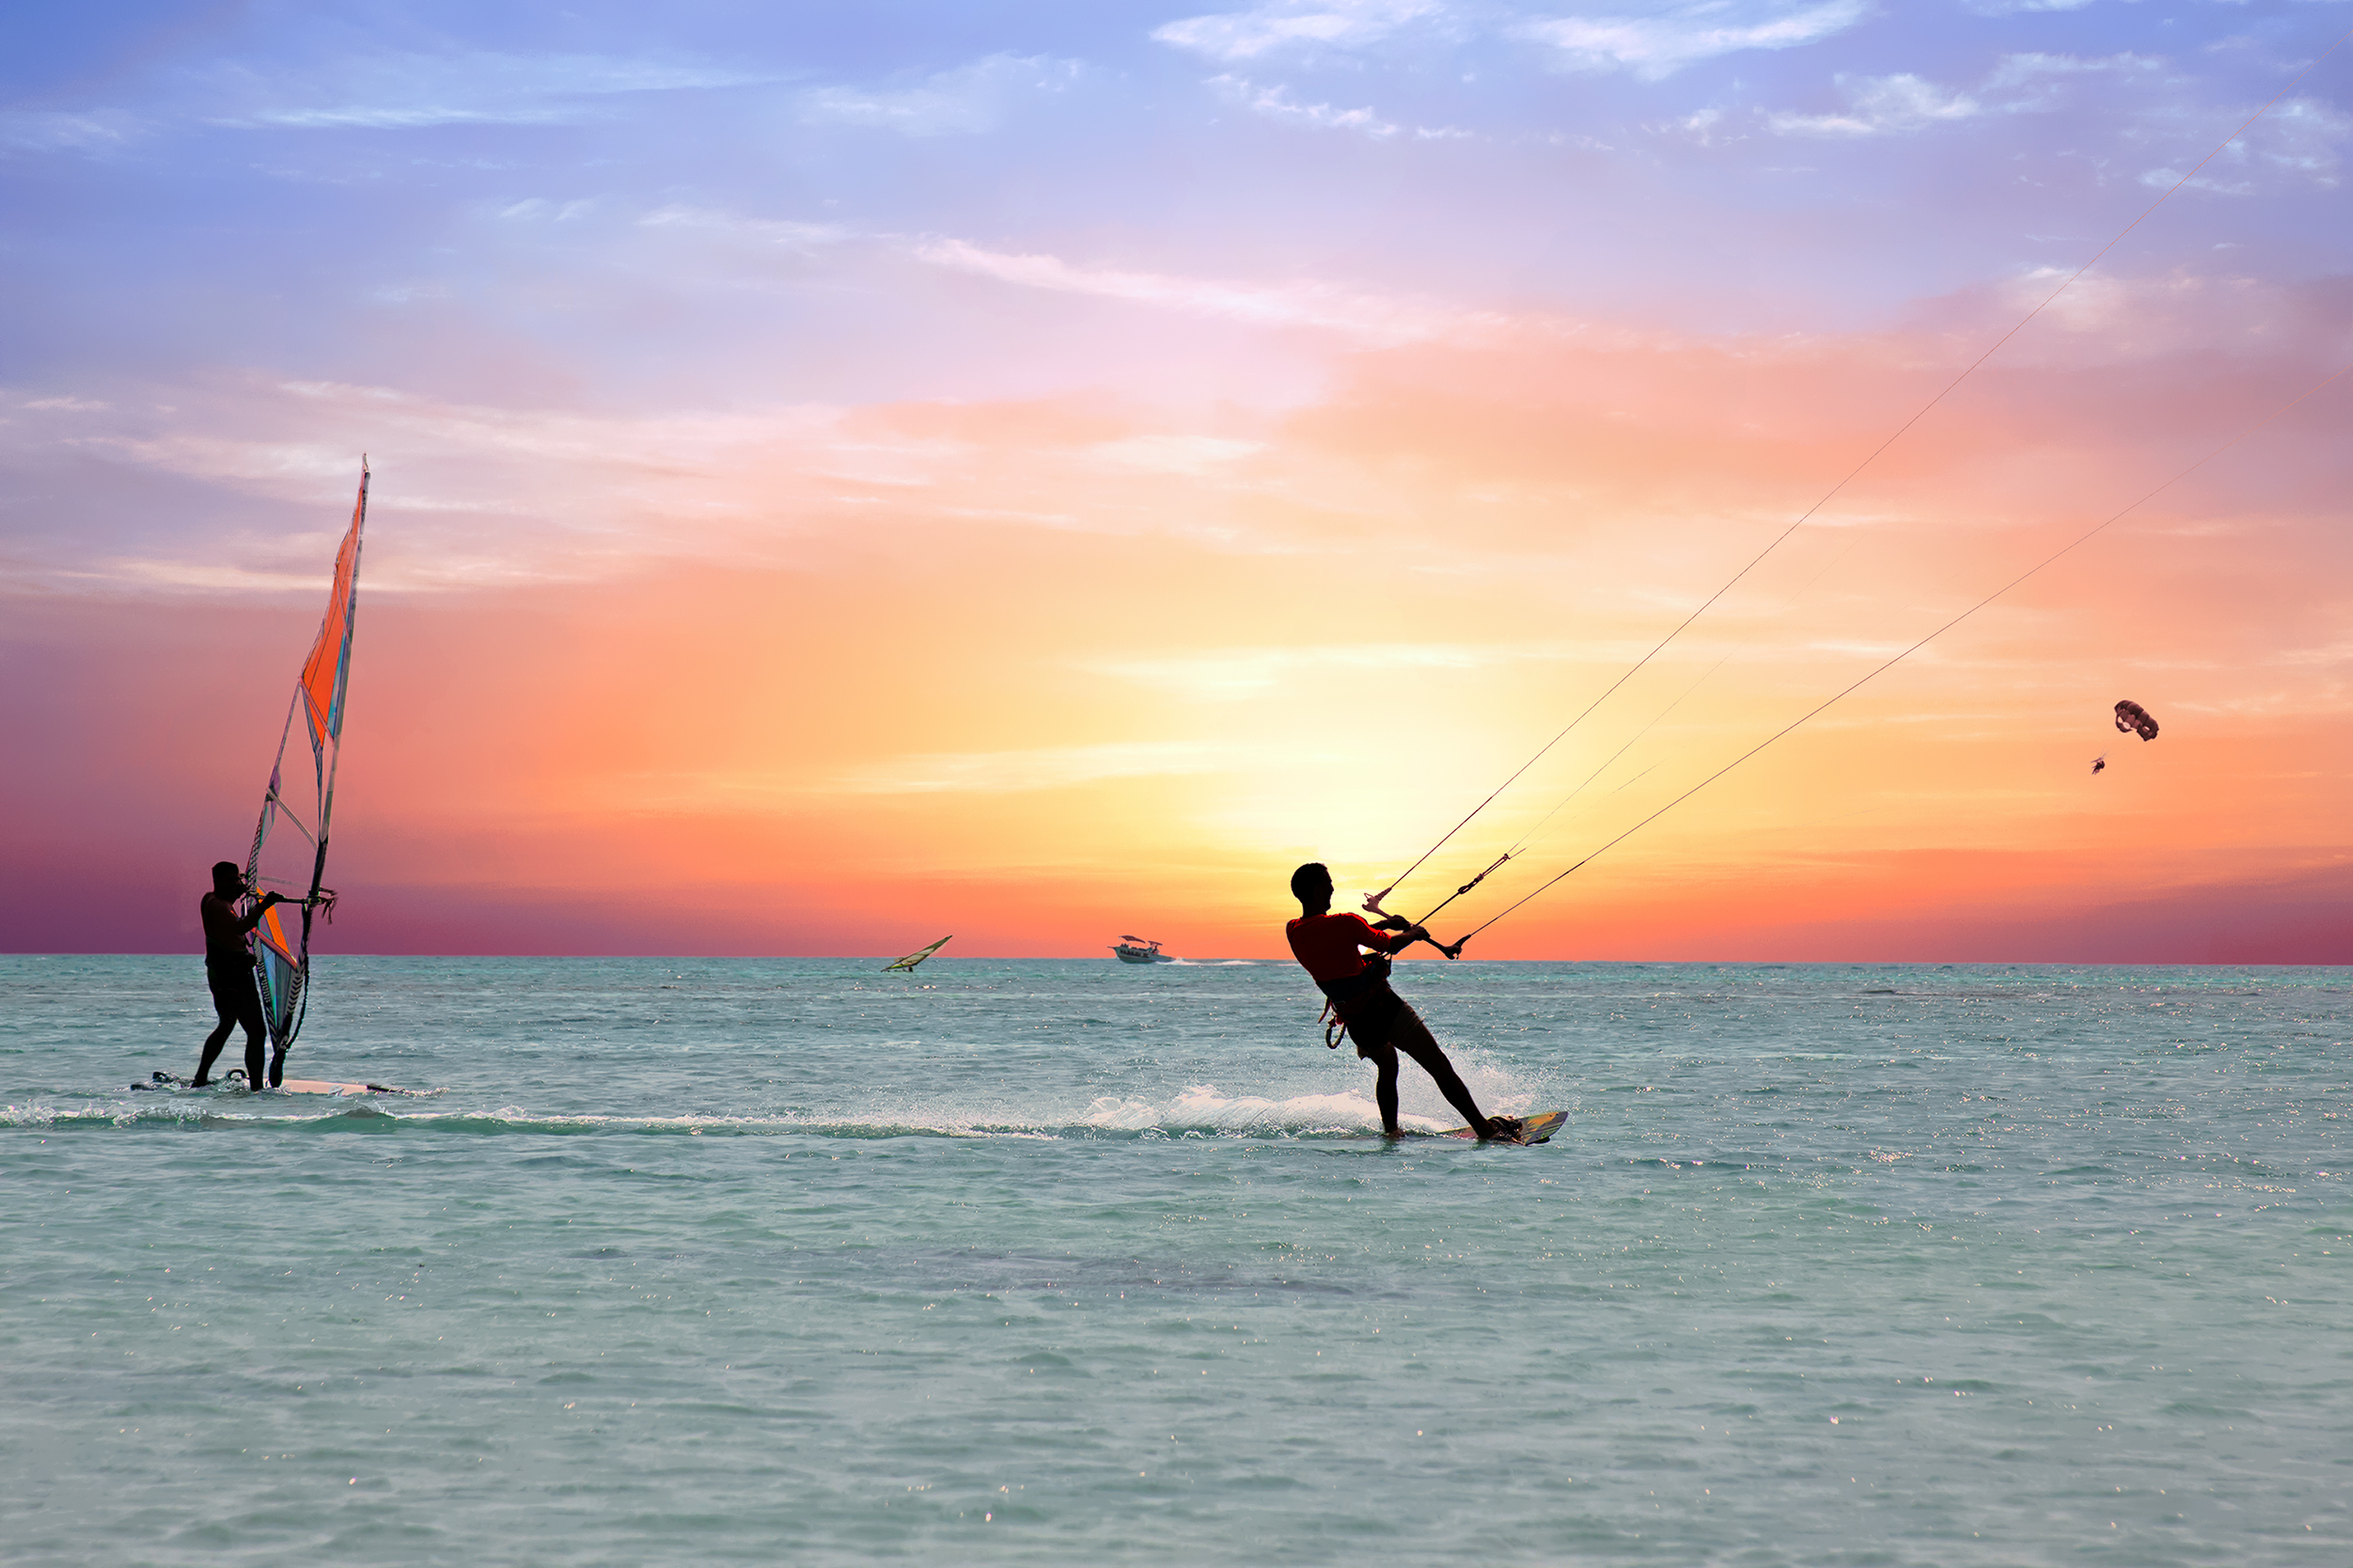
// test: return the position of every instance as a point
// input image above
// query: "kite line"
(2081, 538)
(1372, 901)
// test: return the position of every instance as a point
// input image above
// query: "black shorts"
(235, 996)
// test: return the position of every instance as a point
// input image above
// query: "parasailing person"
(229, 969)
(1328, 946)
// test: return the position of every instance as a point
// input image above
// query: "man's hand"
(269, 899)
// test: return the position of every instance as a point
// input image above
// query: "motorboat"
(1140, 950)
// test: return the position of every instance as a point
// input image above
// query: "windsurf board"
(236, 1079)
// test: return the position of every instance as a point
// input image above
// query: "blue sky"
(329, 187)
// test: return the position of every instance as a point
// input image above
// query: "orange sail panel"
(329, 667)
(290, 842)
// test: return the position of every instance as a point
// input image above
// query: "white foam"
(1201, 1109)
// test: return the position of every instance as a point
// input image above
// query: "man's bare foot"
(1502, 1129)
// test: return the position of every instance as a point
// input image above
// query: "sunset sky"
(848, 474)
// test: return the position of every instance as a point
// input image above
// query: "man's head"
(229, 878)
(1311, 885)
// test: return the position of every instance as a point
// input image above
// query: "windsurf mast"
(906, 964)
(290, 842)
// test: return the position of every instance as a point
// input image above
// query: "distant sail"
(907, 963)
(290, 842)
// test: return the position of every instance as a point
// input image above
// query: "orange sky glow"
(1239, 570)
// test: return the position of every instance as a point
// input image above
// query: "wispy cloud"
(2165, 179)
(963, 102)
(40, 130)
(1651, 47)
(1904, 104)
(2023, 69)
(785, 234)
(1882, 105)
(1370, 318)
(1367, 316)
(1300, 23)
(1276, 102)
(497, 495)
(2304, 135)
(401, 92)
(201, 577)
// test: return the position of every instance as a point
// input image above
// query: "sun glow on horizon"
(1057, 490)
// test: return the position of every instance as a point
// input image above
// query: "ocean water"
(787, 1260)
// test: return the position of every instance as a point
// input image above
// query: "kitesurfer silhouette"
(229, 969)
(1327, 946)
(2098, 763)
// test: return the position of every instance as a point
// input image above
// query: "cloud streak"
(1654, 47)
(405, 92)
(1369, 317)
(1882, 106)
(969, 99)
(1294, 25)
(1277, 104)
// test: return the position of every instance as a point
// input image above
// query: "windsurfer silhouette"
(229, 969)
(1378, 1019)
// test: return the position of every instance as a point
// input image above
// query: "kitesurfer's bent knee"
(1412, 1036)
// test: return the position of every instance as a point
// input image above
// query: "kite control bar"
(1393, 922)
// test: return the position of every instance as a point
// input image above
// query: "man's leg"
(243, 1006)
(1412, 1036)
(213, 1042)
(252, 1052)
(1384, 1061)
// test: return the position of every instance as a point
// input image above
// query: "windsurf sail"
(290, 842)
(907, 963)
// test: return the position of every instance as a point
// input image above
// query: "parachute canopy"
(2133, 719)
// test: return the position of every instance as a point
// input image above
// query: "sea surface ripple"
(1072, 1262)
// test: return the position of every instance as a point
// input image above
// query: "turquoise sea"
(1022, 1262)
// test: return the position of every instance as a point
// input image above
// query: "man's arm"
(247, 922)
(1409, 934)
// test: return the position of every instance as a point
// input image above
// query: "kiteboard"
(1533, 1129)
(235, 1078)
